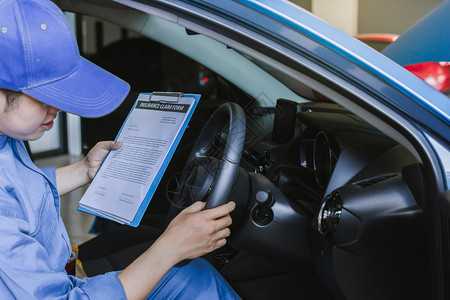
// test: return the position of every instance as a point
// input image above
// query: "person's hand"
(96, 155)
(195, 232)
(83, 171)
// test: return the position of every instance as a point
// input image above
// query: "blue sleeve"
(106, 286)
(29, 270)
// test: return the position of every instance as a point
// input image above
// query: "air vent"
(329, 214)
(370, 181)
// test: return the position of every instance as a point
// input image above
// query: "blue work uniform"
(35, 247)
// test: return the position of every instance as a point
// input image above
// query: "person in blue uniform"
(41, 73)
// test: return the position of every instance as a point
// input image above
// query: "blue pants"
(196, 280)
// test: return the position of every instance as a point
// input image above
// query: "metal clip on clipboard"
(177, 95)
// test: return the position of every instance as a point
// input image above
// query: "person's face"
(26, 118)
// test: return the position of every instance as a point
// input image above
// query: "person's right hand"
(195, 232)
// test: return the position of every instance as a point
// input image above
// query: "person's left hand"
(97, 154)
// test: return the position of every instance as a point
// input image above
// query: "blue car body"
(404, 51)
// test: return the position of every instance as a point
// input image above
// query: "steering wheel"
(205, 177)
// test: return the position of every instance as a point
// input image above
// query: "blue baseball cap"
(39, 56)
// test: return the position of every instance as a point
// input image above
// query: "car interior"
(330, 203)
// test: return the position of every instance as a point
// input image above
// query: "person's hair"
(10, 96)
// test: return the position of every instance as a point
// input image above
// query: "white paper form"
(130, 175)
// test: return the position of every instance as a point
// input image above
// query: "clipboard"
(128, 177)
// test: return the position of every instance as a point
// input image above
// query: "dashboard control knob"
(264, 198)
(329, 214)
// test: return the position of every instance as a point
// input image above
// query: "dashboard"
(348, 192)
(333, 194)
